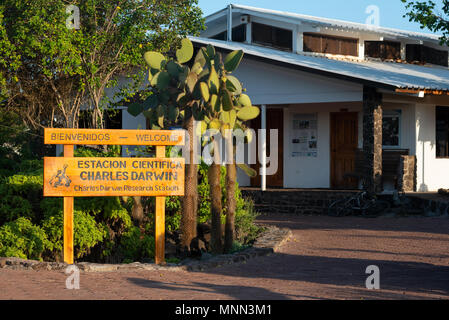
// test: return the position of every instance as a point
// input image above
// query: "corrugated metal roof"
(385, 74)
(334, 23)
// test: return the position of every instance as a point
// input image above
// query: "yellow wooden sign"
(114, 137)
(100, 177)
(85, 177)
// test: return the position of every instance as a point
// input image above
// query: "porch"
(368, 144)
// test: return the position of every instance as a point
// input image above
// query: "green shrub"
(87, 233)
(22, 239)
(136, 245)
(20, 195)
(245, 215)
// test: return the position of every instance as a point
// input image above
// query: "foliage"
(87, 232)
(136, 245)
(97, 221)
(245, 215)
(19, 197)
(430, 16)
(246, 230)
(207, 90)
(17, 143)
(22, 239)
(112, 151)
(41, 56)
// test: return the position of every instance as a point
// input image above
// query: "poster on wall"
(304, 135)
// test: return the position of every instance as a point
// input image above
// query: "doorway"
(275, 120)
(344, 142)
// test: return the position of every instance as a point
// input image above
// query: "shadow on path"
(419, 224)
(237, 292)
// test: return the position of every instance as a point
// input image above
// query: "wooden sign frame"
(158, 138)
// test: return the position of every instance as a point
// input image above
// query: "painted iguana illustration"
(59, 177)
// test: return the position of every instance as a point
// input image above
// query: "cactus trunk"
(231, 179)
(231, 174)
(216, 205)
(190, 199)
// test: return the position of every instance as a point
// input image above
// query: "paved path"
(325, 258)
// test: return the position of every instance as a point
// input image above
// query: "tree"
(228, 109)
(430, 16)
(204, 92)
(49, 71)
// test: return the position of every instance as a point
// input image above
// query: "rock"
(197, 246)
(2, 262)
(205, 256)
(170, 249)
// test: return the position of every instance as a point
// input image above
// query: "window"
(238, 34)
(384, 50)
(442, 132)
(272, 36)
(321, 43)
(391, 127)
(417, 53)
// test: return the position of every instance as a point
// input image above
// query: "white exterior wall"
(131, 122)
(432, 173)
(267, 84)
(310, 172)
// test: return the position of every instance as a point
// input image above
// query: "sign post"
(159, 232)
(71, 177)
(68, 217)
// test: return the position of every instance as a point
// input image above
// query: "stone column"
(372, 139)
(407, 174)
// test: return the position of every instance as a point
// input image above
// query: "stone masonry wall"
(293, 201)
(407, 174)
(372, 139)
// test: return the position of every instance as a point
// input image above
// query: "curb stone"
(268, 242)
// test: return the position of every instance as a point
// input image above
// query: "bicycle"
(361, 203)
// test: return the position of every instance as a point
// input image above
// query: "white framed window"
(391, 128)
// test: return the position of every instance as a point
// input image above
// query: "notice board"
(305, 135)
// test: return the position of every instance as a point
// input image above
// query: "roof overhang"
(297, 19)
(400, 78)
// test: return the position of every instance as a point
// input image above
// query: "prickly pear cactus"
(206, 91)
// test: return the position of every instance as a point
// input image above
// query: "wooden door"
(275, 120)
(344, 142)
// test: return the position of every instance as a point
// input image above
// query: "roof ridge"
(316, 19)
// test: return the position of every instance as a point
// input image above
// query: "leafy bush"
(20, 195)
(87, 233)
(22, 239)
(136, 245)
(246, 230)
(32, 226)
(245, 215)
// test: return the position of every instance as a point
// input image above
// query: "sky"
(390, 11)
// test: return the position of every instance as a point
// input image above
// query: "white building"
(338, 91)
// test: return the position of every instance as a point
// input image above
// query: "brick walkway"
(325, 258)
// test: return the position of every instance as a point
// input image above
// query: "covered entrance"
(275, 120)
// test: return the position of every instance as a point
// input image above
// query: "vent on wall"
(244, 19)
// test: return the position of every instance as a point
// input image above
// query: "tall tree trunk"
(216, 205)
(231, 177)
(137, 211)
(190, 199)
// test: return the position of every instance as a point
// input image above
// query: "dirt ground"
(325, 259)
